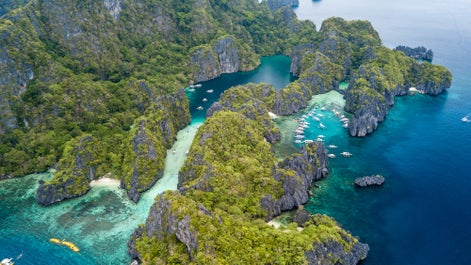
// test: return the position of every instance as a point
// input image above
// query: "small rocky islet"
(232, 182)
(374, 180)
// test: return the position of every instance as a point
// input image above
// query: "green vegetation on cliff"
(217, 216)
(94, 68)
(222, 157)
(216, 237)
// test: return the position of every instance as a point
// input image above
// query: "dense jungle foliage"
(90, 68)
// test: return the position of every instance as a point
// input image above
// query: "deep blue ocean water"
(421, 214)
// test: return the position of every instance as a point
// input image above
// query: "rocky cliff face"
(274, 5)
(291, 99)
(15, 74)
(163, 221)
(297, 173)
(144, 161)
(332, 252)
(73, 174)
(48, 194)
(147, 161)
(297, 55)
(221, 57)
(418, 53)
(229, 174)
(375, 84)
(320, 75)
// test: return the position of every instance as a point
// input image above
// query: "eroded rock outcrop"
(385, 75)
(366, 181)
(220, 57)
(418, 53)
(74, 172)
(274, 5)
(296, 174)
(163, 221)
(149, 140)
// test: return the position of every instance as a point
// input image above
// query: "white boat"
(298, 141)
(466, 118)
(191, 89)
(299, 136)
(331, 155)
(322, 126)
(321, 136)
(205, 99)
(323, 108)
(200, 108)
(332, 146)
(316, 119)
(7, 261)
(198, 85)
(346, 154)
(308, 141)
(345, 125)
(320, 115)
(210, 90)
(319, 139)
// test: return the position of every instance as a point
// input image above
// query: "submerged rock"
(366, 181)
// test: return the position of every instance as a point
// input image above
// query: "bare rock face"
(308, 165)
(322, 253)
(161, 222)
(419, 53)
(13, 83)
(366, 181)
(274, 5)
(221, 57)
(114, 6)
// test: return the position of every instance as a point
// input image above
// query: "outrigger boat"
(7, 261)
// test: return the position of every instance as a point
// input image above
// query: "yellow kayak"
(65, 243)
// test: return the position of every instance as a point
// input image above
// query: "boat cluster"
(342, 118)
(191, 88)
(303, 124)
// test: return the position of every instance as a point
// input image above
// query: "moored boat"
(7, 261)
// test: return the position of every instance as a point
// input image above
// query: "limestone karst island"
(102, 95)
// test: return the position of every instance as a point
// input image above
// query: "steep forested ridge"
(94, 88)
(75, 69)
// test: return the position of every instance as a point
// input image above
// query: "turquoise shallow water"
(101, 222)
(421, 214)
